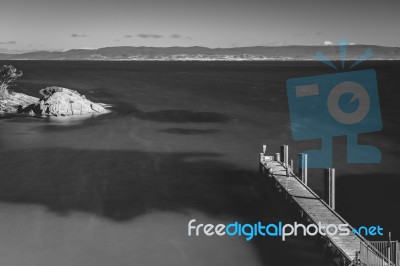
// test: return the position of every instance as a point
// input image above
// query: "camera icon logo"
(340, 104)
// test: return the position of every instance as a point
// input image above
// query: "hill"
(204, 53)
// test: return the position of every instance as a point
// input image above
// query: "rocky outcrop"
(56, 101)
(13, 103)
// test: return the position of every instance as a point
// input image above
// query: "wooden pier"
(345, 249)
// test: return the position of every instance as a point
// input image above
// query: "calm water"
(182, 142)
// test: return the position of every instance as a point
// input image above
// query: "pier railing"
(369, 257)
(389, 250)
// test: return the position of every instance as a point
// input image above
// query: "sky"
(28, 25)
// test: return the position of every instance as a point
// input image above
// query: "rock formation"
(13, 103)
(59, 101)
(56, 101)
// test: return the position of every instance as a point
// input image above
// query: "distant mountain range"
(203, 53)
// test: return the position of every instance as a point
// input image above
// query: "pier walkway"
(315, 210)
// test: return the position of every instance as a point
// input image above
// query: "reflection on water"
(122, 185)
(119, 189)
(156, 238)
(58, 121)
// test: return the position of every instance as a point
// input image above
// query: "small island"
(55, 101)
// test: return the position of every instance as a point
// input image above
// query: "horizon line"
(192, 46)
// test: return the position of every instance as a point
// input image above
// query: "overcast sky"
(68, 24)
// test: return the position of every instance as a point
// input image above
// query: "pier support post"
(303, 167)
(285, 154)
(285, 158)
(262, 154)
(357, 258)
(389, 247)
(330, 187)
(277, 157)
(260, 165)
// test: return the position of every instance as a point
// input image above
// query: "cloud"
(9, 42)
(178, 36)
(318, 33)
(327, 43)
(275, 43)
(128, 36)
(149, 35)
(74, 35)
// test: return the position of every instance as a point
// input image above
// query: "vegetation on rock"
(8, 76)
